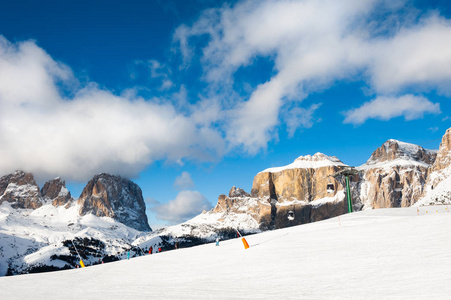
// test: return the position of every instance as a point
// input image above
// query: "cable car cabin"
(291, 215)
(330, 188)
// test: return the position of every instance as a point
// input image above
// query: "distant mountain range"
(46, 229)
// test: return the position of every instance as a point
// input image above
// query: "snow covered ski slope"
(395, 253)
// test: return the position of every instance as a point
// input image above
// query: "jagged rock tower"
(115, 197)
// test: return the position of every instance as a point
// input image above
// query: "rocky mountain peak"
(318, 160)
(392, 150)
(443, 159)
(55, 190)
(237, 192)
(318, 157)
(113, 196)
(20, 189)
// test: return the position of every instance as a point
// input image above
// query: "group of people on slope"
(151, 249)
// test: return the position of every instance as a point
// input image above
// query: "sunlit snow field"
(375, 254)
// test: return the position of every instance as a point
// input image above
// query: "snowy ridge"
(21, 191)
(441, 193)
(208, 224)
(410, 150)
(406, 154)
(318, 160)
(32, 238)
(407, 148)
(400, 162)
(339, 196)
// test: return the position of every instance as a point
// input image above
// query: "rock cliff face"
(240, 202)
(290, 195)
(104, 196)
(438, 185)
(443, 159)
(306, 179)
(55, 191)
(115, 197)
(393, 150)
(20, 189)
(395, 175)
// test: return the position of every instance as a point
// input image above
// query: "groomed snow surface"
(375, 254)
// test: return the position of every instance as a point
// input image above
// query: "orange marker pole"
(81, 261)
(246, 245)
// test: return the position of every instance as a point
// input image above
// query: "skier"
(159, 249)
(217, 241)
(128, 254)
(177, 245)
(150, 250)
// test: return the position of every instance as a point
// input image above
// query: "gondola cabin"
(291, 215)
(330, 188)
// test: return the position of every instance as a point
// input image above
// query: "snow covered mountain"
(438, 186)
(40, 229)
(397, 174)
(394, 175)
(113, 196)
(42, 239)
(394, 152)
(280, 197)
(21, 190)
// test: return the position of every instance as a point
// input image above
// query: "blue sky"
(188, 98)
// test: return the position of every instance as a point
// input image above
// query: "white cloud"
(385, 108)
(184, 181)
(314, 44)
(298, 117)
(158, 70)
(94, 131)
(185, 206)
(416, 55)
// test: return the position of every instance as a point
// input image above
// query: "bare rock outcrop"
(20, 189)
(443, 159)
(438, 186)
(243, 203)
(55, 191)
(290, 195)
(393, 150)
(395, 175)
(306, 179)
(237, 192)
(115, 197)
